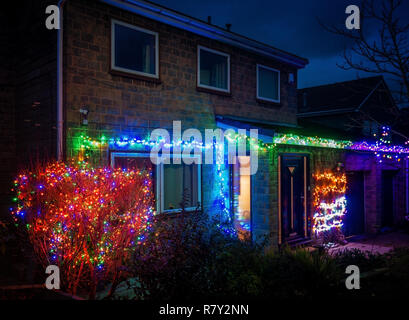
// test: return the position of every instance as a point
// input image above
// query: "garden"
(98, 226)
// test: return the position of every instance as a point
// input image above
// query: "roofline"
(338, 83)
(254, 121)
(185, 22)
(325, 112)
(369, 95)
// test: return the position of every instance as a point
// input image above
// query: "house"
(118, 69)
(359, 109)
(355, 107)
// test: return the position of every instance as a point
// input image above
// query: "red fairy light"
(85, 220)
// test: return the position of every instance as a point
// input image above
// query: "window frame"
(130, 71)
(159, 180)
(257, 87)
(203, 86)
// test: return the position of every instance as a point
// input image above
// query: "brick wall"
(7, 132)
(373, 189)
(265, 186)
(122, 104)
(27, 90)
(34, 60)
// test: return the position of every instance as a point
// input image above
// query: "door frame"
(306, 157)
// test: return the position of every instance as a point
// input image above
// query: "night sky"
(289, 25)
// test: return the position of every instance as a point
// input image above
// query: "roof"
(341, 97)
(202, 28)
(268, 128)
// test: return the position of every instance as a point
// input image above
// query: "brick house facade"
(122, 104)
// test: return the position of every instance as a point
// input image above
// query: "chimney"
(209, 19)
(228, 26)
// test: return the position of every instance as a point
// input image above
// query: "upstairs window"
(134, 50)
(268, 84)
(213, 69)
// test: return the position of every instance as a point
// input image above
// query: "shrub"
(84, 220)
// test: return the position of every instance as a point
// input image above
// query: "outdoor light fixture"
(291, 78)
(84, 115)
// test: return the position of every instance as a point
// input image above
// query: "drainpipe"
(60, 119)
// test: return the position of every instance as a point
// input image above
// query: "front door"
(293, 187)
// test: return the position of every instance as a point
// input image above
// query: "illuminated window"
(242, 196)
(268, 84)
(213, 69)
(134, 50)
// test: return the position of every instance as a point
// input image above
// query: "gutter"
(60, 119)
(181, 21)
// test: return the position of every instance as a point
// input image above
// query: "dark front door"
(355, 217)
(293, 181)
(387, 198)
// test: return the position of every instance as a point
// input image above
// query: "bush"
(189, 258)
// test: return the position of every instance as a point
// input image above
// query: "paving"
(380, 243)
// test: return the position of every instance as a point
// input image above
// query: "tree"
(385, 51)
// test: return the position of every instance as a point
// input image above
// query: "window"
(242, 196)
(174, 183)
(268, 84)
(180, 183)
(213, 69)
(134, 50)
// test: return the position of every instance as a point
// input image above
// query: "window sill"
(214, 91)
(266, 103)
(177, 213)
(135, 76)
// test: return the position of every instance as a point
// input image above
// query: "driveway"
(380, 243)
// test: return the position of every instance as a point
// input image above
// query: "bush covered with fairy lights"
(86, 221)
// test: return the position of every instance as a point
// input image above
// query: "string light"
(329, 201)
(84, 219)
(293, 139)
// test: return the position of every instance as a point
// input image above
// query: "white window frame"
(198, 69)
(278, 81)
(159, 192)
(114, 67)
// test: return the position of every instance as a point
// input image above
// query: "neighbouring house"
(359, 109)
(116, 70)
(356, 108)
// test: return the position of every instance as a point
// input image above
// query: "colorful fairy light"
(82, 219)
(293, 139)
(329, 201)
(225, 222)
(382, 148)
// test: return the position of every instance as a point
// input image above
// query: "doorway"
(355, 195)
(387, 198)
(293, 185)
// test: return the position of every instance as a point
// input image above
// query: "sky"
(290, 25)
